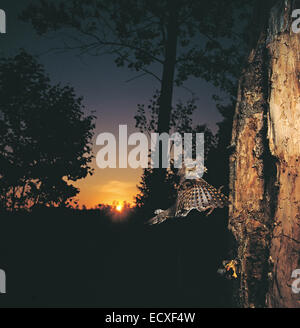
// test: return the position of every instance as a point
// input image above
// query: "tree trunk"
(166, 94)
(166, 97)
(264, 215)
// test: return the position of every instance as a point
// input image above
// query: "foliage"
(137, 33)
(45, 137)
(156, 195)
(171, 40)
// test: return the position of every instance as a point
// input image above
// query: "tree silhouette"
(170, 40)
(45, 137)
(147, 200)
(153, 192)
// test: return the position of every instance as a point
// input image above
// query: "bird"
(193, 193)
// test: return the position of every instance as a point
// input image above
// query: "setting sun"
(119, 208)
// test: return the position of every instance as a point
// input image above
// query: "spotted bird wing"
(163, 216)
(199, 195)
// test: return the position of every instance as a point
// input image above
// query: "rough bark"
(264, 169)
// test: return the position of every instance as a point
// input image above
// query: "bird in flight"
(193, 192)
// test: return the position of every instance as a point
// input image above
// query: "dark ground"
(63, 258)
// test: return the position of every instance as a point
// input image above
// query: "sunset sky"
(105, 91)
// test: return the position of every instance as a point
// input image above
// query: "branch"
(121, 44)
(136, 77)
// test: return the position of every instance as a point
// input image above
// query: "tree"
(45, 136)
(179, 38)
(264, 164)
(152, 193)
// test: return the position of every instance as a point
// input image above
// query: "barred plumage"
(199, 195)
(192, 194)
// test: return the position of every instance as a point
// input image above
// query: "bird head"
(192, 170)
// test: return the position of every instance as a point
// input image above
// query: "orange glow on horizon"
(108, 186)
